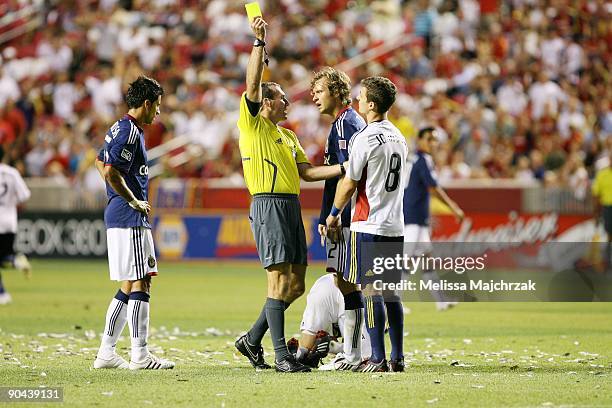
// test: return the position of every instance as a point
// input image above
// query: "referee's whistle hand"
(259, 28)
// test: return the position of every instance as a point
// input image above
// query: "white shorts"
(131, 254)
(337, 252)
(417, 240)
(324, 306)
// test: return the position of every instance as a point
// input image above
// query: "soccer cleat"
(115, 361)
(339, 363)
(22, 264)
(370, 367)
(152, 362)
(290, 365)
(397, 366)
(253, 353)
(5, 298)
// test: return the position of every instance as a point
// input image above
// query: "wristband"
(259, 43)
(334, 211)
(342, 169)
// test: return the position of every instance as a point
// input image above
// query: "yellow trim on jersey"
(353, 269)
(602, 186)
(270, 154)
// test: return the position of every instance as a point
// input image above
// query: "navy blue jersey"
(416, 196)
(347, 123)
(124, 149)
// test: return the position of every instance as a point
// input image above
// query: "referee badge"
(151, 261)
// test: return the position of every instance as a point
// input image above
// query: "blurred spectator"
(518, 89)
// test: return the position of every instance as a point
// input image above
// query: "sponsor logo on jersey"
(144, 170)
(126, 154)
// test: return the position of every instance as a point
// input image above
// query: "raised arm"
(256, 61)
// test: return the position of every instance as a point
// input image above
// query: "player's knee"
(298, 289)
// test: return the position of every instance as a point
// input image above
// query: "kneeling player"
(325, 314)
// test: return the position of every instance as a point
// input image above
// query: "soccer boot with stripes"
(339, 363)
(255, 354)
(370, 367)
(290, 365)
(152, 362)
(114, 361)
(397, 366)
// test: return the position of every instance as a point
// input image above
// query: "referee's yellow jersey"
(270, 154)
(602, 186)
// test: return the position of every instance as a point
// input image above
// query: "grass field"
(481, 354)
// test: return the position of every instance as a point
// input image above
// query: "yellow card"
(252, 10)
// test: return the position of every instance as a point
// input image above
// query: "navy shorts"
(362, 249)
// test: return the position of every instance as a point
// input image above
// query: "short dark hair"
(424, 131)
(141, 90)
(268, 89)
(381, 91)
(338, 82)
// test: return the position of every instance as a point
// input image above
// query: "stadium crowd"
(517, 89)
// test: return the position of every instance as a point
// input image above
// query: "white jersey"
(13, 191)
(377, 159)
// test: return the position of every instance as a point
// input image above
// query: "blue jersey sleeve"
(427, 173)
(101, 155)
(121, 150)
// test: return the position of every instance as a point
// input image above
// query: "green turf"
(506, 354)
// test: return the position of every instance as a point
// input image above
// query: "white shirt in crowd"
(13, 191)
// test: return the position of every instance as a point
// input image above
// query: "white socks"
(353, 323)
(138, 322)
(116, 317)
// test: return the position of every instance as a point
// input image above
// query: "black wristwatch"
(342, 169)
(259, 43)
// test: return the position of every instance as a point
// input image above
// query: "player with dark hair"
(273, 162)
(422, 183)
(13, 191)
(131, 255)
(376, 170)
(330, 90)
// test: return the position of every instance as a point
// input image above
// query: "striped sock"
(138, 322)
(116, 318)
(375, 324)
(353, 321)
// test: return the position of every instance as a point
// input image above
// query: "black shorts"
(276, 221)
(7, 242)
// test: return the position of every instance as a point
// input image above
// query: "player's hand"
(141, 206)
(333, 227)
(259, 28)
(323, 233)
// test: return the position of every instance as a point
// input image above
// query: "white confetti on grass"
(433, 401)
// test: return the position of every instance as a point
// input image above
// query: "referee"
(273, 162)
(602, 194)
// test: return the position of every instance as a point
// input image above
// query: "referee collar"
(341, 112)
